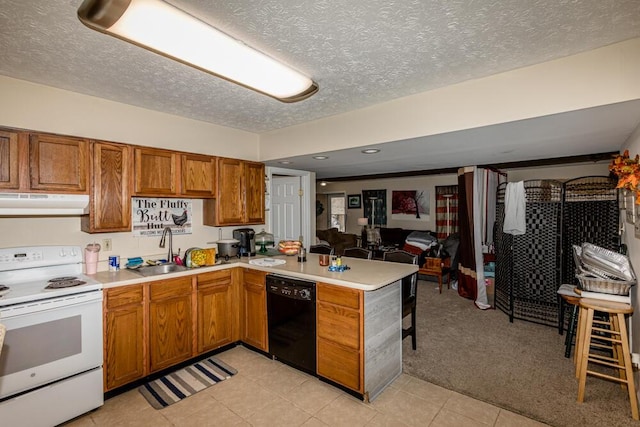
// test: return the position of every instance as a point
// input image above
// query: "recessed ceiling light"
(370, 151)
(285, 162)
(321, 157)
(323, 184)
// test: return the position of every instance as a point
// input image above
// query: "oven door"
(50, 340)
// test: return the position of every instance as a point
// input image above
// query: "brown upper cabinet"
(110, 205)
(58, 163)
(240, 195)
(156, 172)
(40, 162)
(198, 175)
(111, 173)
(166, 173)
(254, 192)
(9, 161)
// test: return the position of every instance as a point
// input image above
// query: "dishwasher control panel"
(291, 288)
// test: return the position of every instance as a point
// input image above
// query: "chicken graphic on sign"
(180, 220)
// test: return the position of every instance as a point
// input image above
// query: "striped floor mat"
(184, 382)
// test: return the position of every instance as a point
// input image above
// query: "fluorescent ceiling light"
(370, 151)
(321, 157)
(285, 162)
(166, 30)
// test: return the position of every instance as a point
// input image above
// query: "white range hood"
(36, 204)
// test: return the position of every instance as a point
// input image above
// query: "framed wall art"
(410, 205)
(354, 201)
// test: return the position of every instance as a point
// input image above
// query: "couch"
(395, 237)
(337, 240)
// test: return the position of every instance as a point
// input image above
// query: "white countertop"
(363, 274)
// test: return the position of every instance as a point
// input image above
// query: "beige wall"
(561, 173)
(633, 244)
(31, 106)
(429, 183)
(599, 77)
(43, 108)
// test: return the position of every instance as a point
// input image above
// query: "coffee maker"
(246, 236)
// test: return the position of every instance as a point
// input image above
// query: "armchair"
(446, 264)
(337, 240)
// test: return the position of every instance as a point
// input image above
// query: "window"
(337, 211)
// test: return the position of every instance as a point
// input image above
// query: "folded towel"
(515, 200)
(422, 237)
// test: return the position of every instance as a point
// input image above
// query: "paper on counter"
(267, 262)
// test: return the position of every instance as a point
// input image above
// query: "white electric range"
(52, 353)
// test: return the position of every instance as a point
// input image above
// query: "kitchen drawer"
(340, 364)
(339, 295)
(255, 277)
(170, 288)
(339, 325)
(220, 277)
(124, 295)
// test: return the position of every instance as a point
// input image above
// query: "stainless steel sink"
(155, 270)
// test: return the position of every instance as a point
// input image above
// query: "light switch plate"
(636, 225)
(630, 211)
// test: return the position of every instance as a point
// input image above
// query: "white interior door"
(285, 207)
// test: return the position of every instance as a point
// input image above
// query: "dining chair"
(358, 253)
(409, 291)
(321, 249)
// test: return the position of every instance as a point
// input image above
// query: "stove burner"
(67, 282)
(3, 290)
(63, 279)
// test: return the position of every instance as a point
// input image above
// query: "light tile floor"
(269, 393)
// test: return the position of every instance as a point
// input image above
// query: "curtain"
(467, 276)
(477, 193)
(446, 210)
(380, 202)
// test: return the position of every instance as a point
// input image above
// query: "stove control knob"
(304, 293)
(62, 253)
(73, 252)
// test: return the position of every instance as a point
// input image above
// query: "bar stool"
(618, 341)
(568, 296)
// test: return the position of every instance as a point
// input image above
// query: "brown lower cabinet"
(170, 327)
(254, 309)
(124, 344)
(340, 334)
(217, 308)
(155, 325)
(176, 319)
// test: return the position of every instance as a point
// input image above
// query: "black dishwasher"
(291, 314)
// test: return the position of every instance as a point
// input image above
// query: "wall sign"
(150, 216)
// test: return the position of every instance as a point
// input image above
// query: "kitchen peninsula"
(152, 323)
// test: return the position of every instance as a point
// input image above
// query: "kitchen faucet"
(164, 235)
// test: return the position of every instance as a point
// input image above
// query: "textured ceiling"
(360, 52)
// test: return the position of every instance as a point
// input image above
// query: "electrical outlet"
(106, 245)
